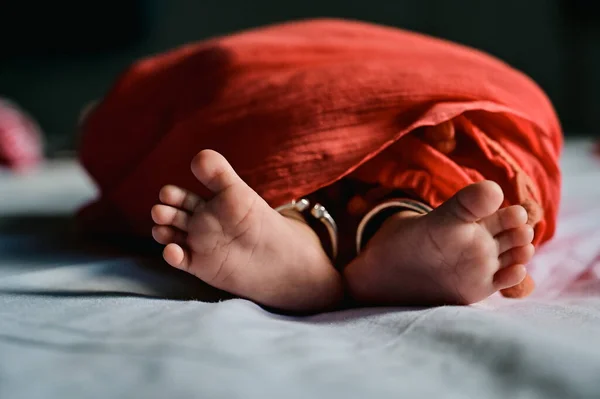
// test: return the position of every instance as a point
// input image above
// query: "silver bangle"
(320, 213)
(400, 203)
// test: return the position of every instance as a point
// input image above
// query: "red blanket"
(295, 107)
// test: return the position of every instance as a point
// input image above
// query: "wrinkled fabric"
(298, 106)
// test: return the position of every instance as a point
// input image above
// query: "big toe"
(233, 199)
(213, 171)
(473, 202)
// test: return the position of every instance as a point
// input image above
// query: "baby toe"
(214, 171)
(165, 235)
(505, 219)
(518, 255)
(167, 215)
(509, 276)
(513, 238)
(471, 204)
(176, 256)
(179, 198)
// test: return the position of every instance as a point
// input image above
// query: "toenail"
(530, 232)
(523, 214)
(164, 193)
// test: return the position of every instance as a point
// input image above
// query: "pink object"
(570, 262)
(573, 254)
(20, 138)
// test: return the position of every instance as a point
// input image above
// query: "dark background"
(57, 56)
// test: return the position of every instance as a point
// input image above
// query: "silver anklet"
(320, 213)
(398, 204)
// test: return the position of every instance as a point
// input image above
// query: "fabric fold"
(298, 106)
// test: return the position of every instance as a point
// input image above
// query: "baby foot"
(460, 253)
(237, 243)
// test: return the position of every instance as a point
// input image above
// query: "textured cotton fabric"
(298, 106)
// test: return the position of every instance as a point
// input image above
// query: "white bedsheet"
(81, 322)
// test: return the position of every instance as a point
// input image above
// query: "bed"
(83, 319)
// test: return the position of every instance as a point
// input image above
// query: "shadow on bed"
(45, 255)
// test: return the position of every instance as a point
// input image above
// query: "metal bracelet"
(399, 203)
(320, 213)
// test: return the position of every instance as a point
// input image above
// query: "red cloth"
(20, 138)
(295, 107)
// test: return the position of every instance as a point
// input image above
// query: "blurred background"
(58, 56)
